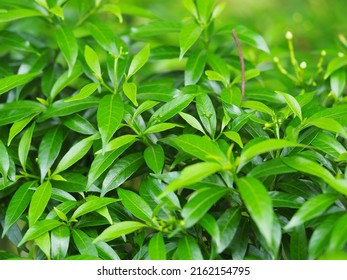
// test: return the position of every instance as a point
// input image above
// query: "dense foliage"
(124, 135)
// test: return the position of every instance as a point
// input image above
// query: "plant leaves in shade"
(338, 237)
(154, 157)
(5, 160)
(136, 205)
(209, 223)
(188, 249)
(118, 229)
(271, 167)
(199, 203)
(298, 243)
(13, 81)
(39, 202)
(259, 204)
(311, 209)
(156, 247)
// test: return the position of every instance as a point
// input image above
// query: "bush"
(127, 136)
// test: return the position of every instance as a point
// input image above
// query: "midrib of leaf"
(137, 207)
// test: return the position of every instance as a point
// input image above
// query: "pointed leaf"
(338, 237)
(189, 34)
(92, 205)
(39, 202)
(24, 145)
(44, 243)
(92, 60)
(60, 239)
(228, 224)
(156, 128)
(86, 91)
(195, 67)
(259, 205)
(130, 91)
(154, 157)
(138, 61)
(293, 104)
(16, 14)
(234, 136)
(192, 121)
(207, 113)
(188, 249)
(5, 160)
(18, 126)
(79, 124)
(84, 243)
(210, 225)
(298, 243)
(250, 37)
(13, 81)
(156, 247)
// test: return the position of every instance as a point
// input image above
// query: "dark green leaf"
(298, 243)
(209, 223)
(188, 249)
(285, 200)
(338, 237)
(156, 247)
(84, 243)
(79, 124)
(271, 167)
(5, 160)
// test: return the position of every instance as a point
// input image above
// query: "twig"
(242, 63)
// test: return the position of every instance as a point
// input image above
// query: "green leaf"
(5, 160)
(285, 200)
(44, 243)
(170, 109)
(298, 243)
(338, 237)
(250, 37)
(192, 121)
(259, 204)
(207, 113)
(160, 127)
(156, 28)
(209, 223)
(205, 9)
(60, 239)
(138, 61)
(154, 157)
(79, 124)
(119, 229)
(234, 136)
(13, 81)
(195, 67)
(92, 205)
(335, 64)
(16, 14)
(239, 243)
(258, 106)
(270, 167)
(119, 142)
(84, 243)
(311, 209)
(146, 105)
(106, 252)
(188, 249)
(338, 82)
(130, 91)
(49, 149)
(192, 174)
(156, 247)
(329, 144)
(24, 145)
(86, 91)
(39, 202)
(198, 147)
(328, 124)
(199, 203)
(136, 205)
(121, 171)
(293, 104)
(92, 60)
(191, 7)
(104, 35)
(189, 34)
(68, 45)
(109, 116)
(74, 154)
(18, 126)
(18, 203)
(38, 229)
(264, 146)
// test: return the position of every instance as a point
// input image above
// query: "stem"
(242, 63)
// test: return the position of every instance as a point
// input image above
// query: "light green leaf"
(192, 174)
(136, 205)
(258, 106)
(104, 35)
(92, 205)
(338, 82)
(106, 252)
(76, 152)
(156, 28)
(207, 113)
(335, 64)
(39, 202)
(199, 203)
(190, 6)
(119, 229)
(311, 209)
(79, 124)
(292, 103)
(156, 247)
(13, 81)
(119, 142)
(18, 203)
(286, 200)
(189, 34)
(92, 60)
(234, 136)
(154, 157)
(68, 45)
(130, 91)
(195, 67)
(38, 229)
(270, 167)
(5, 160)
(49, 149)
(44, 243)
(24, 145)
(16, 14)
(188, 249)
(250, 37)
(160, 127)
(84, 243)
(192, 121)
(205, 9)
(259, 204)
(138, 61)
(146, 105)
(328, 124)
(86, 91)
(18, 126)
(109, 116)
(60, 239)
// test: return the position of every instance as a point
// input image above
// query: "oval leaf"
(39, 202)
(154, 157)
(156, 247)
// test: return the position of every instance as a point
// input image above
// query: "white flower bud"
(289, 35)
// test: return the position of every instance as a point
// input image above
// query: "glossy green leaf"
(328, 144)
(199, 203)
(207, 113)
(156, 247)
(92, 205)
(143, 107)
(258, 203)
(329, 125)
(189, 34)
(119, 142)
(139, 61)
(205, 9)
(86, 91)
(136, 205)
(335, 64)
(191, 7)
(38, 229)
(5, 160)
(285, 200)
(24, 145)
(239, 243)
(79, 124)
(118, 229)
(17, 127)
(68, 45)
(271, 167)
(106, 252)
(121, 171)
(188, 249)
(170, 109)
(39, 202)
(92, 60)
(84, 243)
(258, 106)
(103, 34)
(16, 14)
(292, 103)
(192, 121)
(338, 82)
(49, 149)
(130, 90)
(311, 209)
(74, 154)
(44, 243)
(298, 243)
(109, 116)
(250, 37)
(209, 223)
(338, 237)
(154, 157)
(13, 81)
(192, 174)
(234, 136)
(156, 128)
(60, 238)
(15, 111)
(18, 204)
(195, 67)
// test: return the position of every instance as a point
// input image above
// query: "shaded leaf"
(298, 243)
(188, 249)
